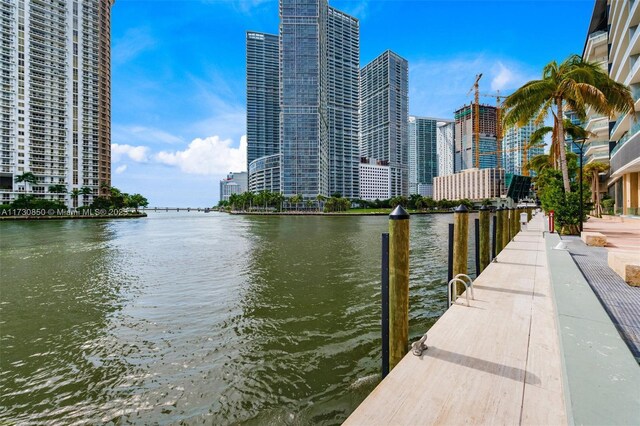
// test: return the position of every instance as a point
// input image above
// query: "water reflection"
(196, 318)
(60, 288)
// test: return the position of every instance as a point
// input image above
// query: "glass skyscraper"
(384, 116)
(343, 68)
(423, 154)
(514, 142)
(317, 61)
(303, 102)
(263, 104)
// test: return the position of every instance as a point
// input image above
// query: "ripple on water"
(200, 318)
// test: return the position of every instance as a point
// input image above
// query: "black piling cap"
(399, 213)
(484, 208)
(461, 209)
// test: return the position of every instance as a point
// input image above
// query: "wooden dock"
(495, 362)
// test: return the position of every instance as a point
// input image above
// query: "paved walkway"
(620, 300)
(495, 362)
(621, 236)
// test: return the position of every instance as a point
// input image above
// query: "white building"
(515, 143)
(472, 184)
(55, 113)
(445, 147)
(235, 183)
(375, 183)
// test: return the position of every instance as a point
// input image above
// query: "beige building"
(473, 184)
(616, 23)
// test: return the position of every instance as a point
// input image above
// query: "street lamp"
(580, 147)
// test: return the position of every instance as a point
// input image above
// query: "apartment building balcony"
(625, 157)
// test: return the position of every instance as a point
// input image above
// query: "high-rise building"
(423, 153)
(304, 138)
(263, 104)
(515, 143)
(384, 116)
(465, 155)
(343, 68)
(234, 183)
(313, 65)
(445, 147)
(56, 97)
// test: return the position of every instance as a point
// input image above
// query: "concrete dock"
(504, 360)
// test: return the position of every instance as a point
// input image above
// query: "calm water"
(200, 318)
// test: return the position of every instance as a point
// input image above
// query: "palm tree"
(75, 193)
(296, 199)
(594, 169)
(539, 162)
(28, 178)
(574, 83)
(234, 201)
(320, 199)
(58, 189)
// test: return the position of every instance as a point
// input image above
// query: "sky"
(178, 74)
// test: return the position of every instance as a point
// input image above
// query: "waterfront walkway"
(496, 362)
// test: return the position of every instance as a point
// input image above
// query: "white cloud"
(121, 169)
(138, 154)
(142, 134)
(508, 76)
(131, 44)
(209, 156)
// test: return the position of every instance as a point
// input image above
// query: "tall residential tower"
(384, 116)
(56, 97)
(423, 153)
(263, 105)
(316, 58)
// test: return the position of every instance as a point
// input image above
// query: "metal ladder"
(460, 278)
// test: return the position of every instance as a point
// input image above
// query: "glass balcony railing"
(635, 127)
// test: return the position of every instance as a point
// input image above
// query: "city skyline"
(180, 100)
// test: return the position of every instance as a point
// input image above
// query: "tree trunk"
(598, 207)
(562, 148)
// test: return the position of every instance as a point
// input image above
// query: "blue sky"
(178, 73)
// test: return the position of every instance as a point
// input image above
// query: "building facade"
(384, 114)
(263, 103)
(343, 68)
(374, 179)
(472, 184)
(445, 147)
(56, 98)
(516, 151)
(234, 183)
(423, 154)
(306, 86)
(264, 174)
(466, 152)
(623, 18)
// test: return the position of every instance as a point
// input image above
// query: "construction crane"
(476, 117)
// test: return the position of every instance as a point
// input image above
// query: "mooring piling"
(398, 285)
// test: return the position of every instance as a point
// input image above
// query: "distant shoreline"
(342, 214)
(74, 217)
